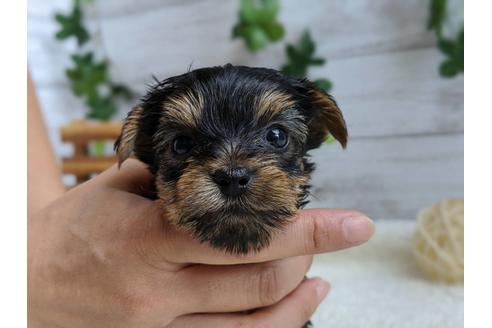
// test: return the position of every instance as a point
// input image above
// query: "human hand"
(103, 256)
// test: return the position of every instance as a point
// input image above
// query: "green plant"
(453, 48)
(258, 23)
(300, 56)
(89, 78)
(71, 25)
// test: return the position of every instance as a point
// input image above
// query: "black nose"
(232, 182)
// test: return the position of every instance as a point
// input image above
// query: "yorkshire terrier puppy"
(228, 148)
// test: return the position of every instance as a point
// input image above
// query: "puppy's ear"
(125, 144)
(323, 116)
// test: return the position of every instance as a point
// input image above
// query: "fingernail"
(322, 288)
(357, 229)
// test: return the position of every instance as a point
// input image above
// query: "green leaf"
(88, 77)
(317, 61)
(71, 26)
(247, 12)
(455, 53)
(448, 69)
(300, 56)
(101, 108)
(437, 16)
(274, 31)
(86, 74)
(292, 53)
(446, 46)
(257, 23)
(452, 48)
(330, 139)
(307, 45)
(461, 37)
(96, 148)
(323, 84)
(238, 31)
(267, 11)
(256, 38)
(459, 55)
(294, 70)
(120, 90)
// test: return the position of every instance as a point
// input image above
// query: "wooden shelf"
(86, 131)
(80, 134)
(87, 165)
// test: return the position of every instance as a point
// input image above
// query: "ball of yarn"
(439, 241)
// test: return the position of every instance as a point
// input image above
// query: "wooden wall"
(405, 122)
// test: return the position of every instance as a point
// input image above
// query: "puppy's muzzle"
(232, 182)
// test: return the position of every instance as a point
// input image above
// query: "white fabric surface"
(379, 285)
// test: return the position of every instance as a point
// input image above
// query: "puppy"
(228, 147)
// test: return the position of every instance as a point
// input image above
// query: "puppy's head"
(227, 146)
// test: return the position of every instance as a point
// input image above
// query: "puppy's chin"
(236, 231)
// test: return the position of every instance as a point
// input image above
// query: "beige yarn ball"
(439, 241)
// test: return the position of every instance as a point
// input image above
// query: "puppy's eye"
(277, 137)
(182, 145)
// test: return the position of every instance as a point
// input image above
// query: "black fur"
(229, 116)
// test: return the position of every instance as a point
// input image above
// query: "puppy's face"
(227, 147)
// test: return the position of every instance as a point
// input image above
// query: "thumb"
(133, 176)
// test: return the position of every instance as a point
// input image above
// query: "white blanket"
(379, 285)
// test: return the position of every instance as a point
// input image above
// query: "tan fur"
(128, 134)
(184, 108)
(273, 188)
(195, 193)
(272, 103)
(330, 120)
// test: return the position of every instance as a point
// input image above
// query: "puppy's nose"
(232, 182)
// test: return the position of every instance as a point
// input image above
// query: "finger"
(297, 308)
(241, 287)
(291, 312)
(133, 176)
(312, 231)
(224, 320)
(124, 193)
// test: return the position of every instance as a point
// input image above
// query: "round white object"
(439, 241)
